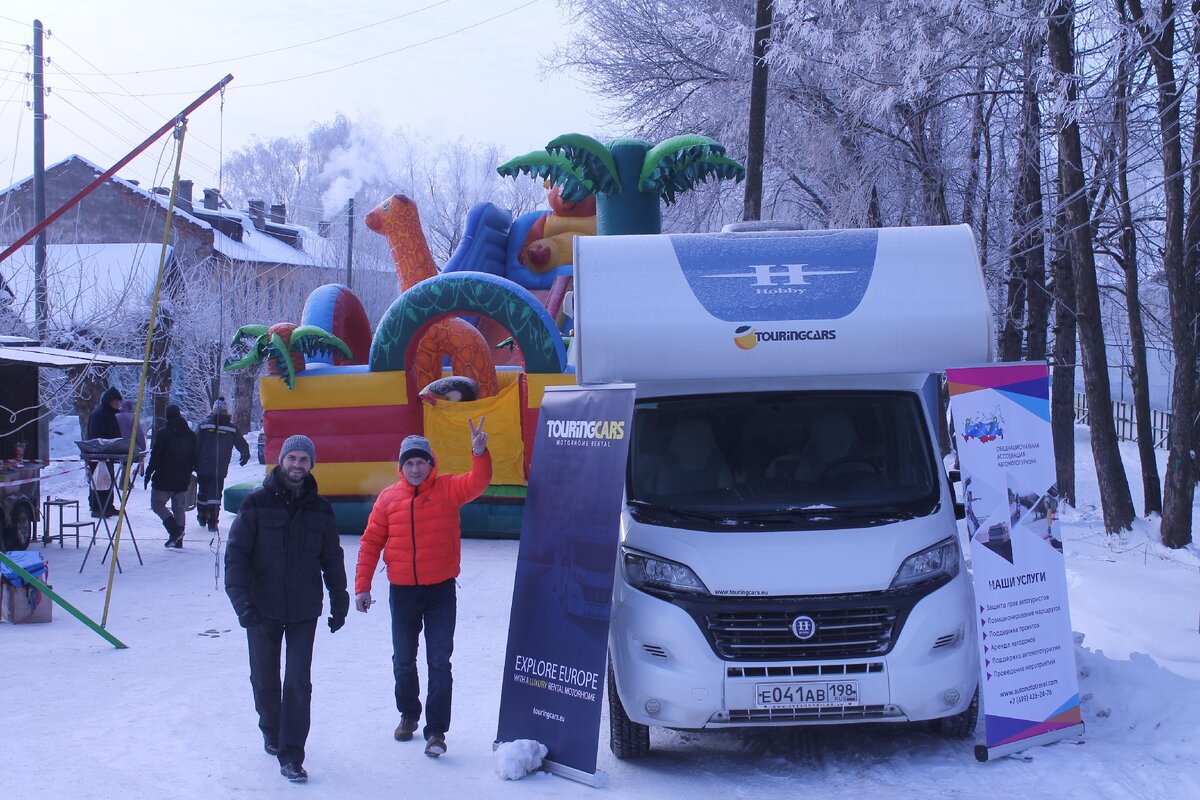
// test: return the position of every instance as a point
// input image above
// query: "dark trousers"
(283, 711)
(434, 608)
(208, 499)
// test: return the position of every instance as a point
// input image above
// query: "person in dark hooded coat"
(216, 438)
(102, 424)
(170, 473)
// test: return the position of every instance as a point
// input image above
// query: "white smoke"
(348, 169)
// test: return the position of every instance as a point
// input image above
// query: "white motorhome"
(789, 549)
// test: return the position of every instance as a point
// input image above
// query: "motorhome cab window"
(787, 460)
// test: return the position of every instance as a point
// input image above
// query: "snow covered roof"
(255, 245)
(83, 281)
(57, 357)
(261, 246)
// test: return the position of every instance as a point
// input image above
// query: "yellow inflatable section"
(447, 429)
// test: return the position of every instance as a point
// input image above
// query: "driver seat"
(833, 438)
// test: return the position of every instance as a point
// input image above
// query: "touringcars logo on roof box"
(817, 276)
(747, 338)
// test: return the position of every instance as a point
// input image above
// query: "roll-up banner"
(554, 670)
(1029, 682)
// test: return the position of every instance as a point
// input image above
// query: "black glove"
(249, 618)
(336, 623)
(243, 461)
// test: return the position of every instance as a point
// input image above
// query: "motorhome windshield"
(781, 460)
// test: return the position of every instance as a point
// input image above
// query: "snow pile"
(515, 760)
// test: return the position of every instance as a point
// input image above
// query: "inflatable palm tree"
(284, 346)
(629, 177)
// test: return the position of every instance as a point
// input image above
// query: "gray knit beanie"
(415, 447)
(298, 442)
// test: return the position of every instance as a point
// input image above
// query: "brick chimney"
(323, 228)
(183, 196)
(212, 199)
(278, 213)
(258, 213)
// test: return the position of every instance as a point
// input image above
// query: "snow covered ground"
(172, 717)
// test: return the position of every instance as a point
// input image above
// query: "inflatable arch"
(507, 303)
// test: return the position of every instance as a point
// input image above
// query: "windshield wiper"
(827, 512)
(678, 512)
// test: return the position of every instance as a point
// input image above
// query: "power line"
(277, 49)
(126, 92)
(115, 109)
(455, 32)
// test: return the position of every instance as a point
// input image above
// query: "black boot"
(176, 533)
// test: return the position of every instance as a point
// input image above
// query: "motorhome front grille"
(767, 635)
(802, 670)
(741, 716)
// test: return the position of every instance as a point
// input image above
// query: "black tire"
(627, 739)
(19, 533)
(962, 725)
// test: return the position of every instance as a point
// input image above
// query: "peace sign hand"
(479, 437)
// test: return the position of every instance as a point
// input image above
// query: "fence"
(1126, 421)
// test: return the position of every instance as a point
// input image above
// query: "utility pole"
(349, 242)
(39, 184)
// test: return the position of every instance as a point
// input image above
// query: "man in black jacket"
(282, 542)
(170, 472)
(216, 438)
(102, 424)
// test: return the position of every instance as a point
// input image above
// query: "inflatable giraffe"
(396, 218)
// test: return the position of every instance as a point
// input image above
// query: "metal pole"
(180, 131)
(108, 173)
(39, 184)
(349, 242)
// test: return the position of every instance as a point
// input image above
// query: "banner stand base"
(598, 779)
(985, 753)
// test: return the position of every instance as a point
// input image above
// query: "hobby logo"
(770, 274)
(822, 276)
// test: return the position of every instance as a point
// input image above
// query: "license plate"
(806, 694)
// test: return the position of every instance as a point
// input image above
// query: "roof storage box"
(783, 303)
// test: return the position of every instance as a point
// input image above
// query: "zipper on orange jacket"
(412, 523)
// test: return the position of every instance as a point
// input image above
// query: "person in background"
(216, 438)
(415, 524)
(125, 420)
(170, 472)
(282, 543)
(102, 424)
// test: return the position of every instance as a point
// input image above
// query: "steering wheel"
(845, 461)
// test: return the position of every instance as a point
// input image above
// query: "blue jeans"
(435, 608)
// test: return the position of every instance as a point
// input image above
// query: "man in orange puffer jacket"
(415, 524)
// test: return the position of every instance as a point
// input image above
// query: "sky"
(172, 716)
(440, 69)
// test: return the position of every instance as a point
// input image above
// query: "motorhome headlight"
(652, 574)
(940, 560)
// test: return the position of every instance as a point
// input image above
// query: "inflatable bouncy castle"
(493, 319)
(357, 393)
